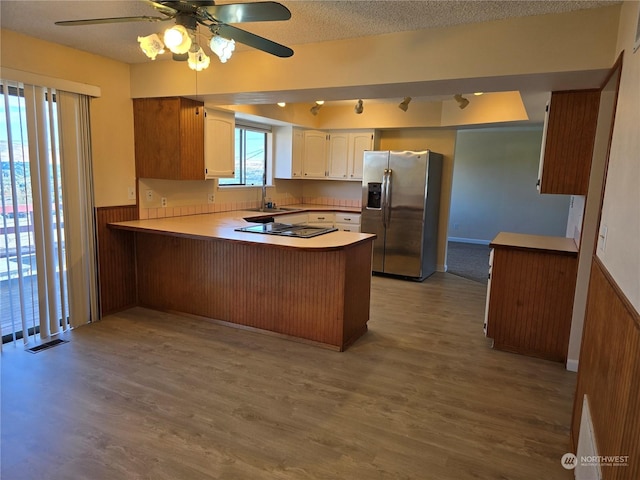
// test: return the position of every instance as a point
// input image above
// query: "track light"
(404, 104)
(462, 102)
(359, 108)
(314, 110)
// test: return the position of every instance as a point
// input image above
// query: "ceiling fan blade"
(255, 41)
(97, 21)
(249, 12)
(162, 8)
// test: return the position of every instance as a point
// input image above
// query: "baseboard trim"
(475, 241)
(441, 268)
(572, 365)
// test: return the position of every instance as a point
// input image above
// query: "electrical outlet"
(149, 194)
(131, 193)
(163, 201)
(211, 198)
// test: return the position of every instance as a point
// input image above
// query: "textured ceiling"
(312, 21)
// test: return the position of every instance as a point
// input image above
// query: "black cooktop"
(284, 229)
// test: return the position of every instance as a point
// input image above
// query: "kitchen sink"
(273, 210)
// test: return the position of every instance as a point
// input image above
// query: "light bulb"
(177, 39)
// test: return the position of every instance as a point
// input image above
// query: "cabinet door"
(359, 142)
(315, 154)
(569, 136)
(219, 140)
(169, 138)
(297, 153)
(338, 155)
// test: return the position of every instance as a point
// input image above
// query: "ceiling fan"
(215, 18)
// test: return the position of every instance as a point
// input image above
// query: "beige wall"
(575, 41)
(621, 209)
(494, 186)
(111, 114)
(440, 141)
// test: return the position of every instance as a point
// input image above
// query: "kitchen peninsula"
(315, 290)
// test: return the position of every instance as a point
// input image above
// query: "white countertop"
(222, 225)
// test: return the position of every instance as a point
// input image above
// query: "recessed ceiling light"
(477, 94)
(320, 102)
(282, 104)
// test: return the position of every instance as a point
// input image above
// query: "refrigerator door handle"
(383, 198)
(387, 197)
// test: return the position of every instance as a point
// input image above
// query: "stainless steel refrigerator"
(400, 204)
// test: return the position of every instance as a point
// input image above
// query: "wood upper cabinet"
(219, 143)
(169, 138)
(567, 143)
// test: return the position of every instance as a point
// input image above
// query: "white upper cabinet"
(346, 151)
(289, 148)
(315, 154)
(359, 142)
(219, 140)
(338, 153)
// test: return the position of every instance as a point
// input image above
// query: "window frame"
(268, 145)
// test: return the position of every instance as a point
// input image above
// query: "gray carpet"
(468, 260)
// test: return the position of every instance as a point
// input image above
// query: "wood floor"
(148, 395)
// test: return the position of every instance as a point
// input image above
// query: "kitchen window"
(250, 157)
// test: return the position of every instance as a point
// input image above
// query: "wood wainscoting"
(609, 374)
(318, 295)
(116, 259)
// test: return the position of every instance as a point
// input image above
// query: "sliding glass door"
(33, 286)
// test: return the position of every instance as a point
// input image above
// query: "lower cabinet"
(348, 222)
(530, 298)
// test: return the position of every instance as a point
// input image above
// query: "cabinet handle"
(347, 219)
(320, 218)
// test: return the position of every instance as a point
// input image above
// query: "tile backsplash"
(199, 209)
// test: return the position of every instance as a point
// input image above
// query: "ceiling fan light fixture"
(151, 45)
(359, 108)
(198, 60)
(222, 47)
(177, 39)
(404, 104)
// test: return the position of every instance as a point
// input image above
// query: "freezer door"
(372, 220)
(405, 219)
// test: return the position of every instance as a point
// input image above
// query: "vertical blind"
(48, 281)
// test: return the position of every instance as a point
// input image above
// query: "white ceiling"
(312, 21)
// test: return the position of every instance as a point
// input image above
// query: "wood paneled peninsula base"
(315, 290)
